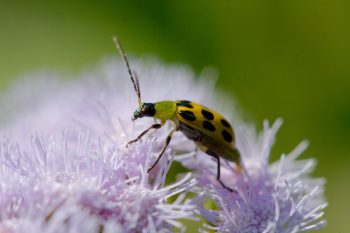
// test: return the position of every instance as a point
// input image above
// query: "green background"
(278, 58)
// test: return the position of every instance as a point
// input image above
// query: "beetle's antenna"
(137, 85)
(132, 74)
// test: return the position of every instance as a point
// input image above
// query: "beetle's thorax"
(165, 110)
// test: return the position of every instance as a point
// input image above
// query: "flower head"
(280, 197)
(64, 166)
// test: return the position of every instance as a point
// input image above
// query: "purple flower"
(77, 182)
(64, 166)
(279, 197)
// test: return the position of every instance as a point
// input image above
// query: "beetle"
(210, 131)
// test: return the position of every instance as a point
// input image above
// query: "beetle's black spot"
(225, 123)
(184, 103)
(207, 114)
(227, 136)
(209, 126)
(187, 115)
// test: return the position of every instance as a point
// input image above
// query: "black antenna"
(132, 74)
(137, 84)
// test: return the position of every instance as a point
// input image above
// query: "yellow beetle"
(211, 132)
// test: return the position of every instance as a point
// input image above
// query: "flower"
(64, 166)
(61, 183)
(279, 197)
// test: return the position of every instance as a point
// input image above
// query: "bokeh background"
(277, 58)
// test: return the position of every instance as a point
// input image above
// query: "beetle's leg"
(213, 154)
(154, 126)
(162, 152)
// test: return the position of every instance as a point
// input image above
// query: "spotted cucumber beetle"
(210, 131)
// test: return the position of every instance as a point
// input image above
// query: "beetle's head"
(146, 109)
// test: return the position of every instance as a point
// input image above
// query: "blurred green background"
(279, 58)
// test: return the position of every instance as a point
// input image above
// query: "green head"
(145, 110)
